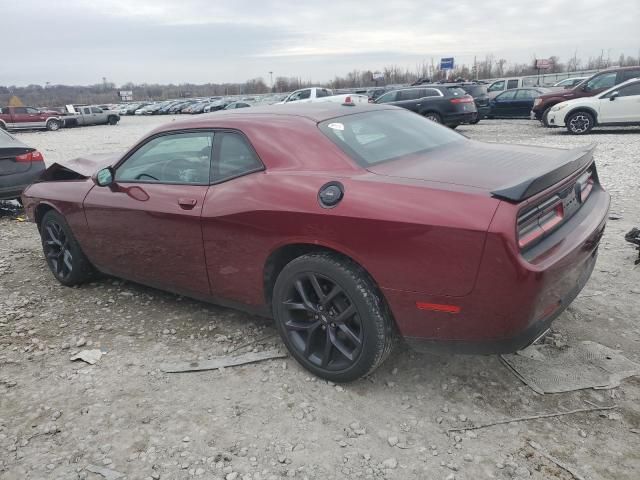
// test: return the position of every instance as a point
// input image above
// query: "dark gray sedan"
(20, 165)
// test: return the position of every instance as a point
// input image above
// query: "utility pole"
(271, 75)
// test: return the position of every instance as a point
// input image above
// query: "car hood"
(89, 164)
(511, 172)
(567, 94)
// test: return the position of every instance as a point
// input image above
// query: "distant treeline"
(489, 67)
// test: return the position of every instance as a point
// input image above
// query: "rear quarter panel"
(406, 236)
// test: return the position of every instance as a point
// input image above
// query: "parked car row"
(591, 87)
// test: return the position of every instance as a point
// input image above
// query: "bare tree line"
(489, 67)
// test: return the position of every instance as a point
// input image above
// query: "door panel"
(149, 233)
(624, 108)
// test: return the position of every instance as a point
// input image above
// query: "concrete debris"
(89, 356)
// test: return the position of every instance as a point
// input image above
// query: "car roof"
(315, 112)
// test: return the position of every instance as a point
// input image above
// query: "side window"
(411, 94)
(629, 74)
(526, 94)
(322, 92)
(304, 94)
(95, 110)
(630, 90)
(173, 158)
(497, 86)
(32, 110)
(234, 157)
(508, 95)
(86, 110)
(529, 82)
(294, 96)
(431, 92)
(387, 97)
(606, 80)
(19, 110)
(512, 84)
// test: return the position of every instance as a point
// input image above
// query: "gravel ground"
(274, 420)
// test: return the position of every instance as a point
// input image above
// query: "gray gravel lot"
(274, 420)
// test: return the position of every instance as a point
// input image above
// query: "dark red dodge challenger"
(347, 224)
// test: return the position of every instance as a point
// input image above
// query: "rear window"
(375, 137)
(456, 91)
(475, 90)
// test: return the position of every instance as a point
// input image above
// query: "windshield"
(379, 136)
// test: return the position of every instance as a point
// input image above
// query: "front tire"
(545, 117)
(579, 123)
(331, 317)
(62, 252)
(53, 125)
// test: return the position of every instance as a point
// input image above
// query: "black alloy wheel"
(322, 322)
(331, 316)
(62, 252)
(57, 250)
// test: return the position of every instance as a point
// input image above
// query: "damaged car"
(349, 225)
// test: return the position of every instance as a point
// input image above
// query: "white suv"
(619, 105)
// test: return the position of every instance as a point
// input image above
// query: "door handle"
(187, 203)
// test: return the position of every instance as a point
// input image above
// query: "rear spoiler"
(574, 160)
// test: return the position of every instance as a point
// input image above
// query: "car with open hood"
(347, 224)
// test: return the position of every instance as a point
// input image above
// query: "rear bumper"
(517, 295)
(12, 186)
(458, 118)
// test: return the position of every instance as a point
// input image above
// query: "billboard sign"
(543, 63)
(446, 63)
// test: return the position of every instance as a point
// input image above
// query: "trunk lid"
(508, 172)
(10, 148)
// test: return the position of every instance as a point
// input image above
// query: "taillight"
(34, 156)
(538, 221)
(585, 185)
(348, 102)
(465, 99)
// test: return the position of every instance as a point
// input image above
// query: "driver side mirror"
(104, 177)
(614, 95)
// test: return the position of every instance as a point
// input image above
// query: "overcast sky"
(200, 41)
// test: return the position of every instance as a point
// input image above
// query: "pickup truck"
(319, 94)
(82, 115)
(29, 118)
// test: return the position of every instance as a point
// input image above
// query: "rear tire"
(113, 120)
(331, 317)
(579, 123)
(62, 252)
(53, 125)
(433, 116)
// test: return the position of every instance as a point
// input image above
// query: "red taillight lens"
(34, 156)
(540, 220)
(465, 99)
(585, 184)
